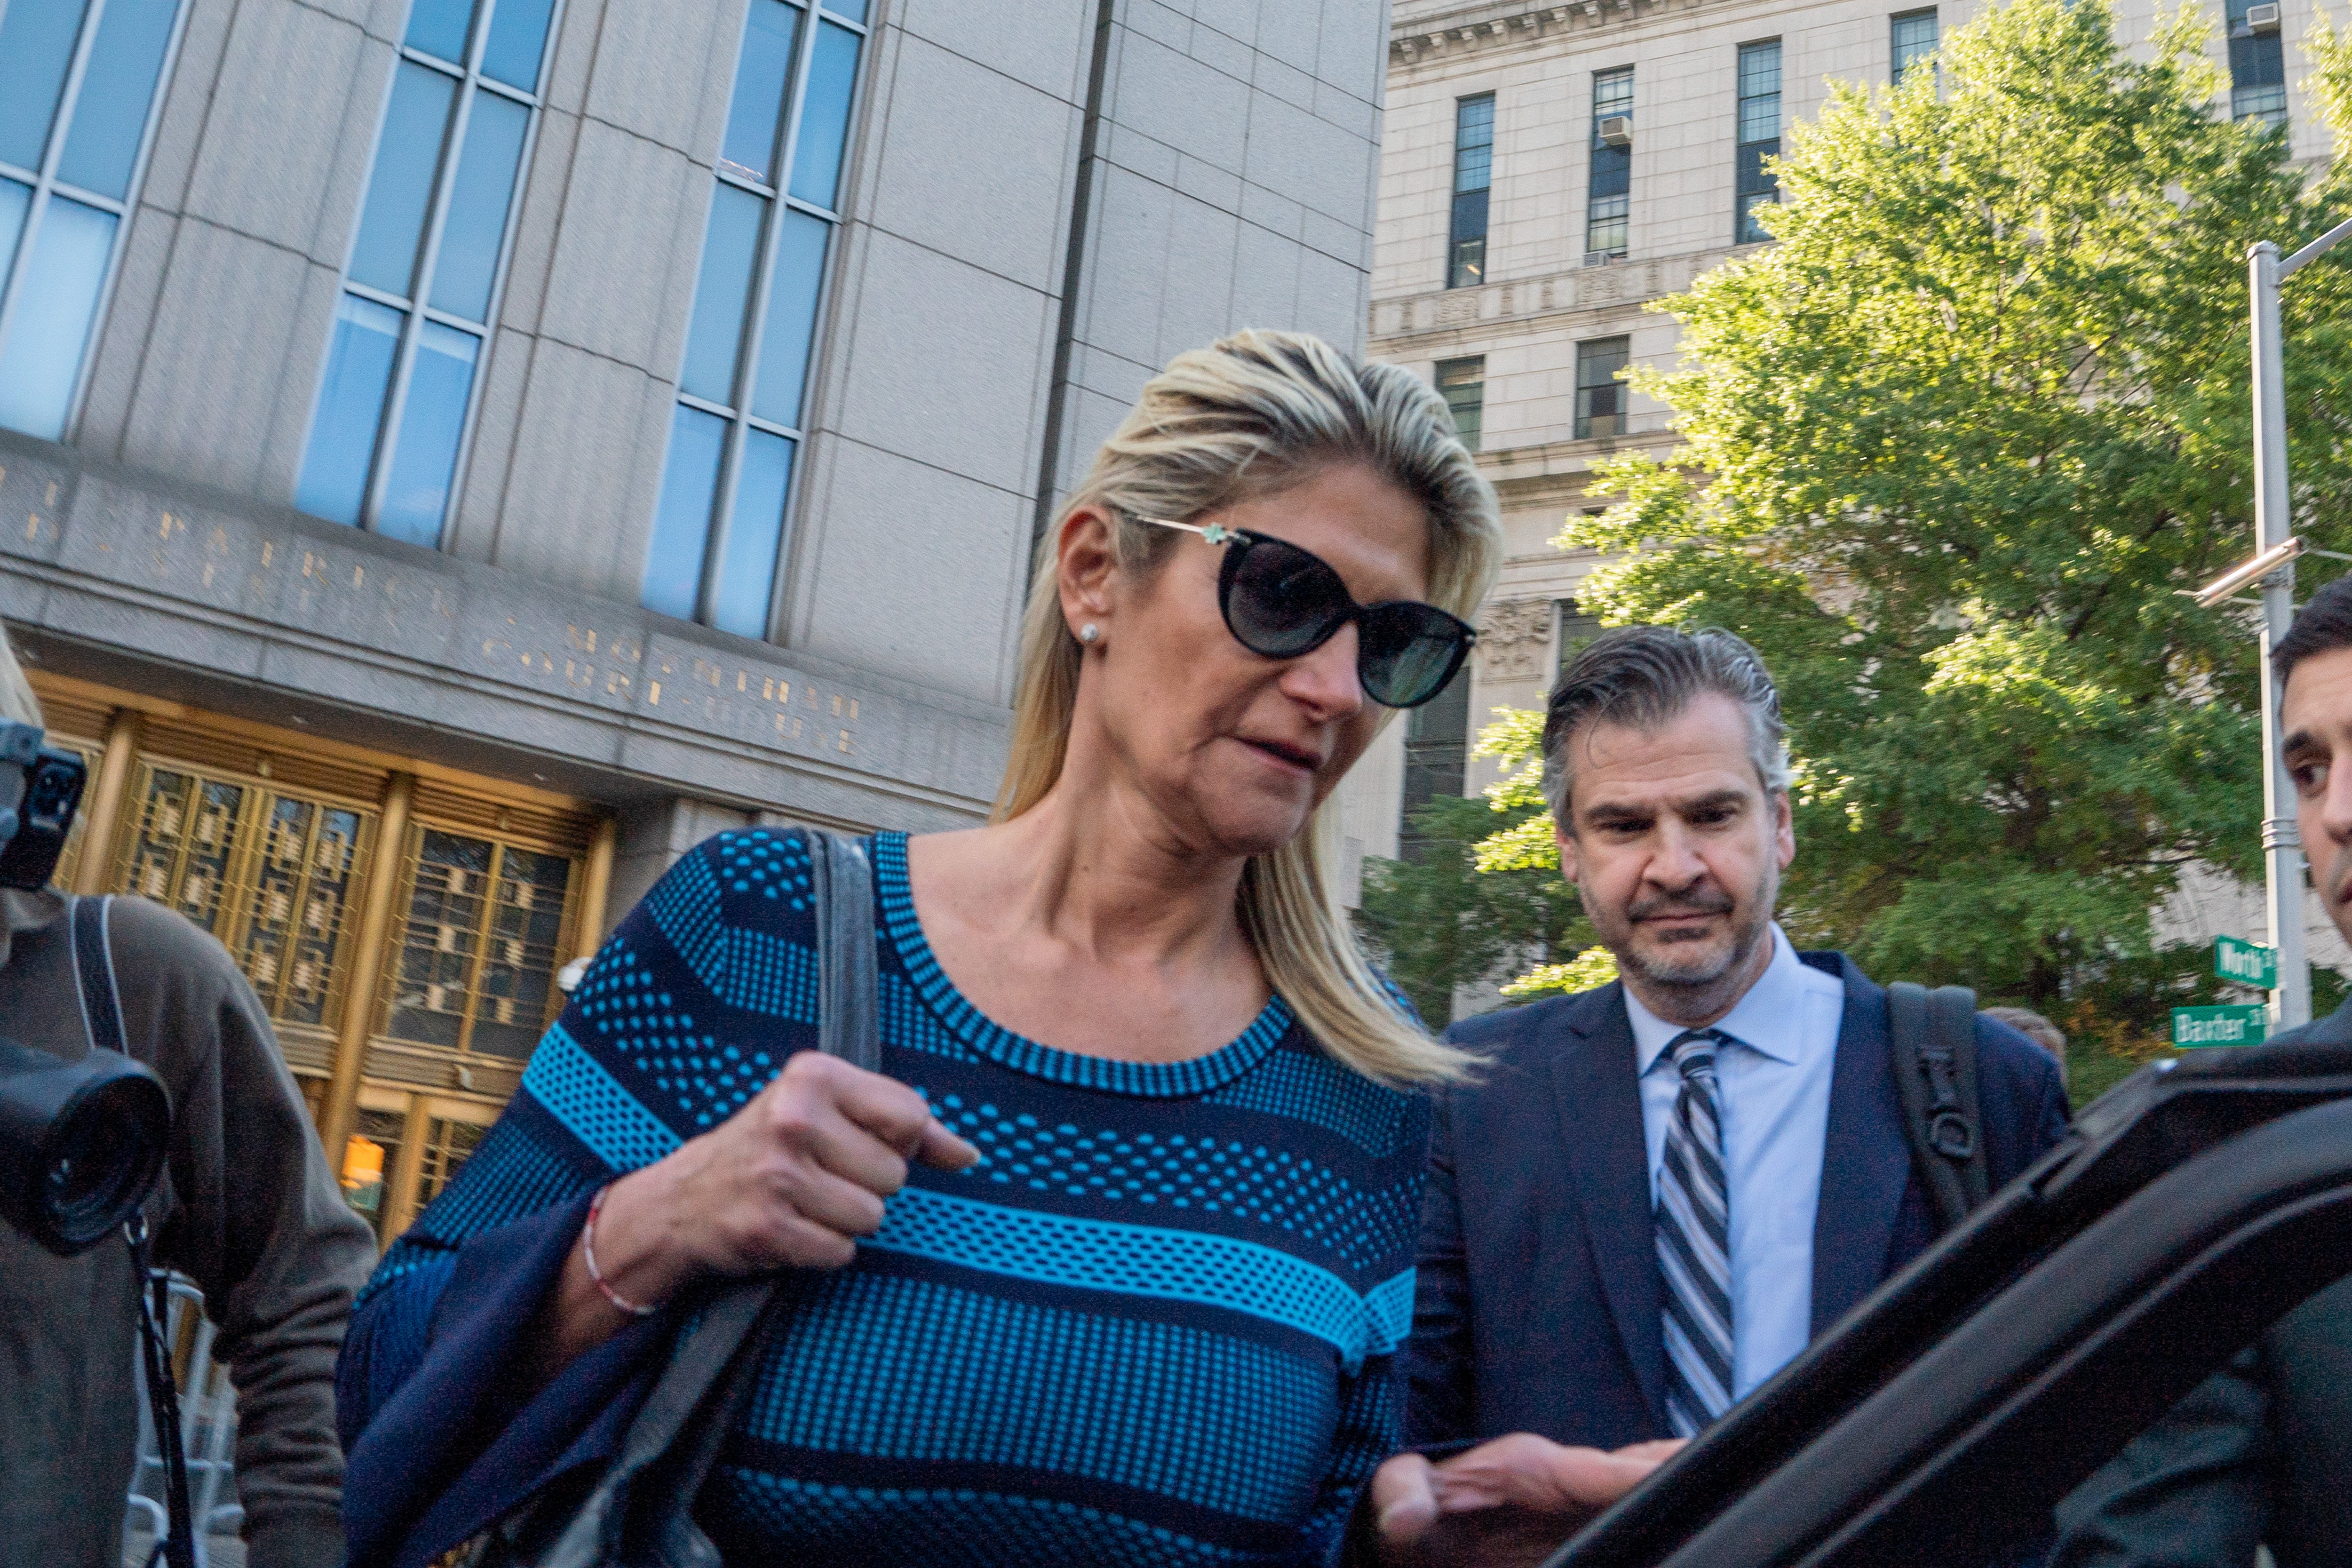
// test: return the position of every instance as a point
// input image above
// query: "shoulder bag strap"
(847, 1008)
(1933, 1052)
(678, 1431)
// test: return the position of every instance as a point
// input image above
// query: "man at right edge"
(2261, 1453)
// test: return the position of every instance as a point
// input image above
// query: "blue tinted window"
(417, 488)
(792, 318)
(111, 112)
(1474, 172)
(825, 117)
(400, 188)
(1474, 142)
(399, 385)
(758, 250)
(350, 406)
(439, 27)
(60, 238)
(14, 201)
(747, 568)
(477, 224)
(770, 38)
(689, 483)
(1913, 39)
(723, 293)
(1759, 92)
(36, 45)
(49, 320)
(517, 42)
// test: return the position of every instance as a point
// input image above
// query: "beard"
(1701, 959)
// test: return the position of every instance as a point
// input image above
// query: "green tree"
(1438, 923)
(1952, 449)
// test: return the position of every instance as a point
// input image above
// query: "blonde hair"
(1250, 416)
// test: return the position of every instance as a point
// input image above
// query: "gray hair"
(1644, 677)
(17, 702)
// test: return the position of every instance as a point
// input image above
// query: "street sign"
(2219, 1025)
(2247, 962)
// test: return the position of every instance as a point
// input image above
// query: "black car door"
(1941, 1420)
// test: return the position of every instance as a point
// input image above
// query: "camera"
(40, 790)
(82, 1141)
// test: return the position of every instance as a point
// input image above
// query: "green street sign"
(2247, 962)
(2219, 1025)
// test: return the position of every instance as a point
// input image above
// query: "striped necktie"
(1694, 1226)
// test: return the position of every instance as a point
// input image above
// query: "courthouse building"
(1548, 170)
(455, 454)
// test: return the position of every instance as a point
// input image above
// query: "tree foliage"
(1951, 450)
(1438, 923)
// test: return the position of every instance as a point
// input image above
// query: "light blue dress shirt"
(1774, 1081)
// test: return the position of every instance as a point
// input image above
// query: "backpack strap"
(1934, 1056)
(94, 965)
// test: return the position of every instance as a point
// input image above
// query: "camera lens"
(102, 1161)
(81, 1141)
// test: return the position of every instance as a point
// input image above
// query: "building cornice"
(1457, 31)
(1562, 470)
(1406, 326)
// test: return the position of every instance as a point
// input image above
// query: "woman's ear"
(1086, 567)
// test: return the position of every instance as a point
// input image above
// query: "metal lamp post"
(2275, 552)
(2273, 521)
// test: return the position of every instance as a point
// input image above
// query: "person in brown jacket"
(246, 1206)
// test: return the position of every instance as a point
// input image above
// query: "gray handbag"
(640, 1512)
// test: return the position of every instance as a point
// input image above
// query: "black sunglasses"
(1281, 601)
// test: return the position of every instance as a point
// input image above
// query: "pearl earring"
(1089, 633)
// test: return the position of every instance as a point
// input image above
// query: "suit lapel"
(1599, 1111)
(1865, 1161)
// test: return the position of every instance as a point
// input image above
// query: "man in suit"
(2262, 1452)
(1660, 1191)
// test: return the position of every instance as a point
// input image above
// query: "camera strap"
(102, 1021)
(177, 1548)
(93, 965)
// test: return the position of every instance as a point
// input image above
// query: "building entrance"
(402, 923)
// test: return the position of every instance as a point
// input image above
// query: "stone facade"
(1040, 205)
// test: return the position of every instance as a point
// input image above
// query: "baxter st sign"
(2219, 1025)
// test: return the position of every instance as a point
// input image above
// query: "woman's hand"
(792, 1180)
(1512, 1500)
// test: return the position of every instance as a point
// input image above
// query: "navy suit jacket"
(1537, 1300)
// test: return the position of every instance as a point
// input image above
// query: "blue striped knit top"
(1157, 1323)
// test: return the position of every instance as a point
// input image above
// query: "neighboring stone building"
(1546, 170)
(466, 450)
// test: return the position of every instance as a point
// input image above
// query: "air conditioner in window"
(2261, 19)
(1617, 130)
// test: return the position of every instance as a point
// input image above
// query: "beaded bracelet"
(588, 1252)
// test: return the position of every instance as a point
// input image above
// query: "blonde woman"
(1117, 1254)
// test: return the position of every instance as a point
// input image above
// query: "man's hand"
(1511, 1501)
